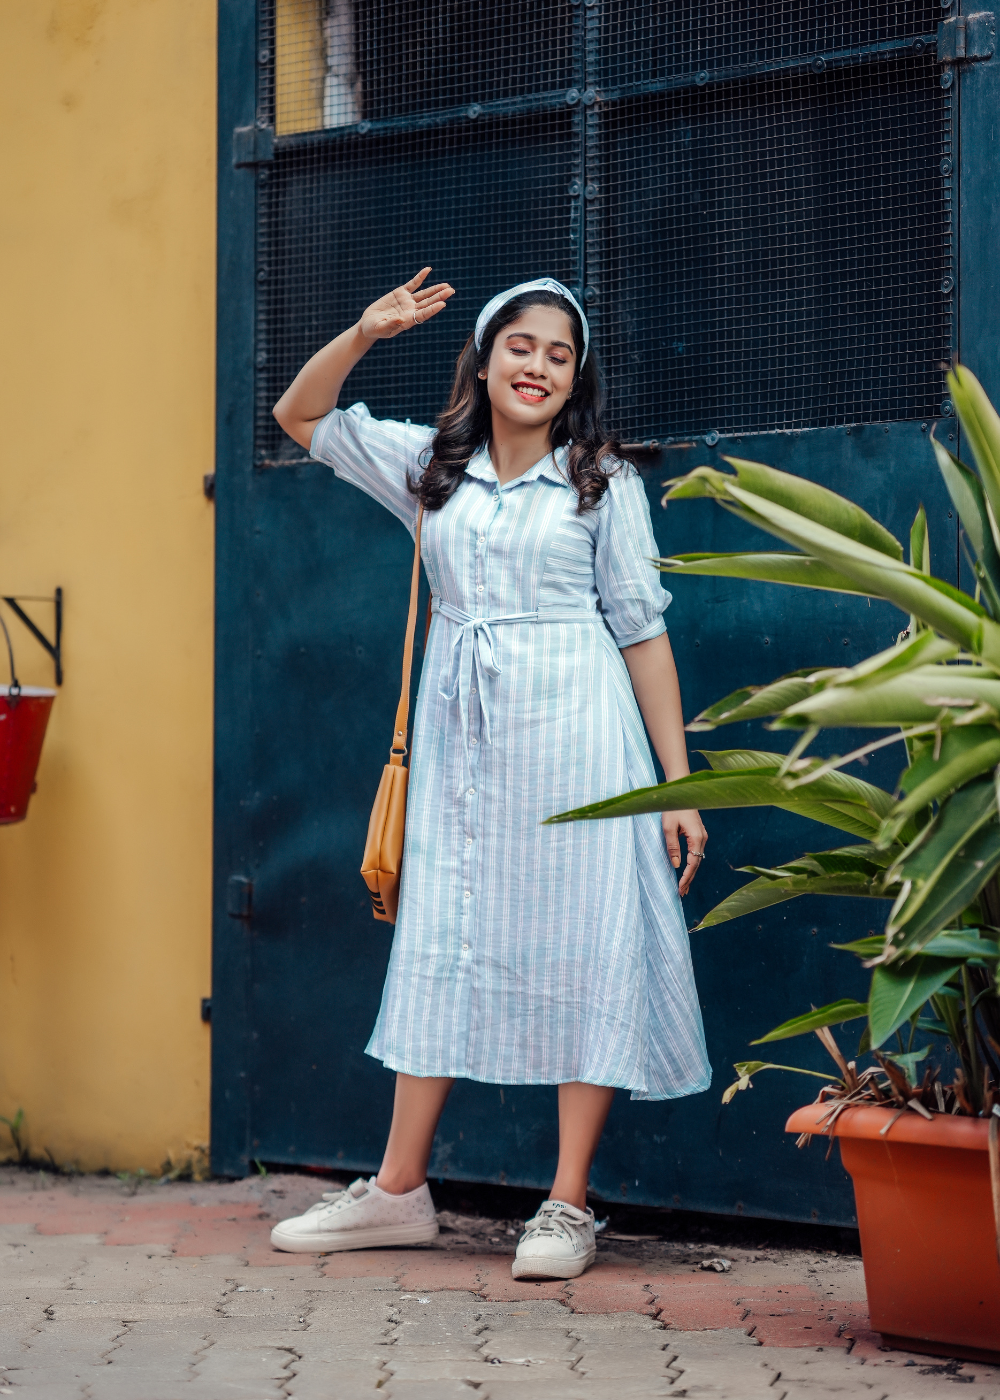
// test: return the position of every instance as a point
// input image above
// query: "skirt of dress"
(531, 954)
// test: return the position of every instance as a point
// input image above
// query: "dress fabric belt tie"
(473, 654)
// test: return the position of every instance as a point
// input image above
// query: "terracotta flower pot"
(22, 731)
(928, 1237)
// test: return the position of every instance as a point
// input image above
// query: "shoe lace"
(552, 1219)
(344, 1197)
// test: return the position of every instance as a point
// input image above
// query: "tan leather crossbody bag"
(382, 865)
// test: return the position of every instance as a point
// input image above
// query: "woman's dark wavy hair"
(464, 426)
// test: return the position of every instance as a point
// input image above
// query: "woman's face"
(532, 366)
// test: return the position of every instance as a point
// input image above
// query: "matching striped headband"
(540, 284)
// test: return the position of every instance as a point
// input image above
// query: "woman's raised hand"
(409, 305)
(316, 387)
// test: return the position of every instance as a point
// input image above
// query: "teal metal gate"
(782, 220)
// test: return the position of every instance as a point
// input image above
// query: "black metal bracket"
(239, 897)
(253, 145)
(54, 648)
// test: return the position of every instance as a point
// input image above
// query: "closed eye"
(521, 350)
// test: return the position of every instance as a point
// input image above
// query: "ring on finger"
(696, 855)
(415, 321)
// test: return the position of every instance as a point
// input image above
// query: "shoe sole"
(544, 1268)
(337, 1241)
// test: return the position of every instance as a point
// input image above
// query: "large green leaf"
(924, 862)
(935, 602)
(914, 698)
(833, 1015)
(733, 760)
(920, 545)
(933, 753)
(982, 428)
(855, 564)
(966, 492)
(869, 947)
(961, 943)
(770, 890)
(951, 943)
(964, 876)
(900, 990)
(819, 541)
(850, 817)
(978, 754)
(794, 493)
(794, 570)
(846, 803)
(855, 871)
(756, 701)
(864, 858)
(922, 650)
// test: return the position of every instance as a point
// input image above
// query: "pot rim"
(29, 692)
(868, 1121)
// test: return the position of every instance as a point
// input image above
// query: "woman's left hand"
(695, 836)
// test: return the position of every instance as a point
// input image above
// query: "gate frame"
(977, 232)
(232, 949)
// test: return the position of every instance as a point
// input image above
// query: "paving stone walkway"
(121, 1291)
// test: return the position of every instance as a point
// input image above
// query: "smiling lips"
(532, 393)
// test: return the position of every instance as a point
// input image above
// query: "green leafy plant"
(933, 845)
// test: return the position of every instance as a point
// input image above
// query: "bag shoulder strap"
(398, 751)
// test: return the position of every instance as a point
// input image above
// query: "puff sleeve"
(375, 454)
(632, 600)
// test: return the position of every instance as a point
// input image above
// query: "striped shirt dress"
(523, 953)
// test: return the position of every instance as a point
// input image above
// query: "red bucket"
(22, 730)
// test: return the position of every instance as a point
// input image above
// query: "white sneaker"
(361, 1217)
(557, 1243)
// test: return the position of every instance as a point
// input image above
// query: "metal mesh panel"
(647, 41)
(346, 61)
(773, 252)
(750, 196)
(345, 221)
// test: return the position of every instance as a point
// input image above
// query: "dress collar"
(481, 467)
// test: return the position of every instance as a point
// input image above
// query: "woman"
(523, 953)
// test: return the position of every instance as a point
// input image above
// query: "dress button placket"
(472, 721)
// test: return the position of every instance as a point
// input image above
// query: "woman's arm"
(654, 680)
(316, 388)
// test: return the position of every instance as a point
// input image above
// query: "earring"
(482, 374)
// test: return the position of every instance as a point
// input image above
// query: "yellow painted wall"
(107, 285)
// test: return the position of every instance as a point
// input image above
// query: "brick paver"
(108, 1292)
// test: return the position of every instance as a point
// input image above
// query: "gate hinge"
(966, 37)
(254, 145)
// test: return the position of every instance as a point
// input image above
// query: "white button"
(472, 792)
(468, 894)
(472, 691)
(482, 539)
(468, 840)
(496, 495)
(479, 588)
(465, 947)
(473, 741)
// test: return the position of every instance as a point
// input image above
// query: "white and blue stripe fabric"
(523, 953)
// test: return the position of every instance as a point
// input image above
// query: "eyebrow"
(526, 335)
